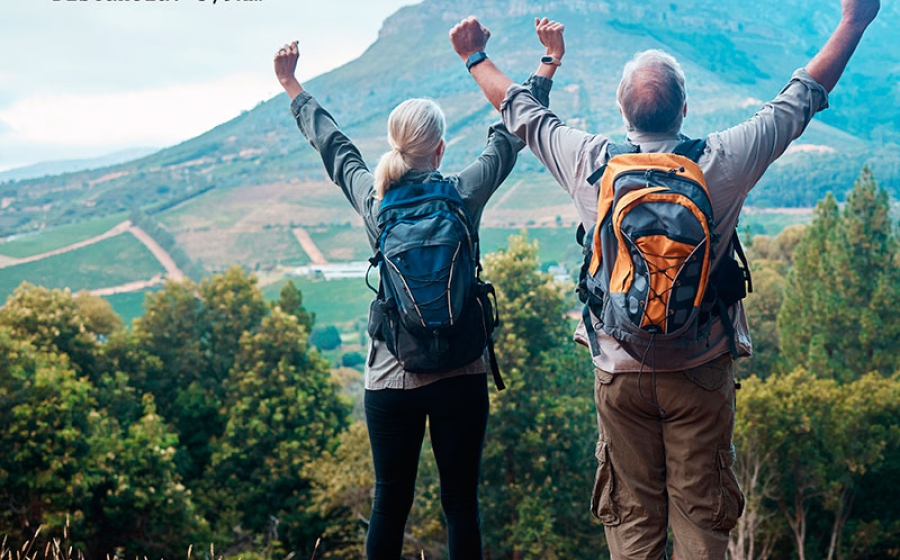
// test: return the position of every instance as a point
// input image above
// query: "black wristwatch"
(475, 58)
(551, 60)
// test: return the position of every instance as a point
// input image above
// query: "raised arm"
(559, 147)
(551, 35)
(469, 37)
(342, 160)
(764, 137)
(827, 66)
(285, 68)
(496, 161)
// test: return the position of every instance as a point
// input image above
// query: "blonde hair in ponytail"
(415, 130)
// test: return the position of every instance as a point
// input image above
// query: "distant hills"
(58, 167)
(236, 192)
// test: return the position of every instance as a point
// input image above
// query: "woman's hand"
(551, 35)
(285, 66)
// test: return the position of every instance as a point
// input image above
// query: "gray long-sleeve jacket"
(346, 167)
(734, 160)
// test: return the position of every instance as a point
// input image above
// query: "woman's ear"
(439, 154)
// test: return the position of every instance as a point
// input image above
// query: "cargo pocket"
(712, 375)
(603, 505)
(731, 500)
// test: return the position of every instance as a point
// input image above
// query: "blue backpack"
(431, 309)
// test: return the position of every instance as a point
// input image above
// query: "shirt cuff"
(297, 104)
(540, 88)
(511, 92)
(802, 76)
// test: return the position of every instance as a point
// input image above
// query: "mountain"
(47, 168)
(235, 193)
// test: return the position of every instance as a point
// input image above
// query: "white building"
(332, 271)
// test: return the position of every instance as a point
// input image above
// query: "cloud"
(148, 117)
(82, 79)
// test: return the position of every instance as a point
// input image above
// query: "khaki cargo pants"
(665, 459)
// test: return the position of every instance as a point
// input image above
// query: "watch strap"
(547, 59)
(475, 58)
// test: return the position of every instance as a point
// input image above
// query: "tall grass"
(53, 549)
(62, 549)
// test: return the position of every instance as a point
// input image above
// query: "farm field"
(52, 239)
(111, 262)
(335, 302)
(122, 259)
(128, 305)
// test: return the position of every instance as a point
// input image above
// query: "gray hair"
(415, 130)
(651, 93)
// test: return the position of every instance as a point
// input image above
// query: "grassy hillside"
(239, 192)
(735, 55)
(55, 238)
(111, 262)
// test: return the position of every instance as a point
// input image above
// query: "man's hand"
(860, 13)
(469, 36)
(285, 66)
(551, 35)
(829, 63)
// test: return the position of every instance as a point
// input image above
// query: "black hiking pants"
(457, 410)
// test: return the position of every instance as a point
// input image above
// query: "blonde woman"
(397, 402)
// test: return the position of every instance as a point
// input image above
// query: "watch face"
(475, 58)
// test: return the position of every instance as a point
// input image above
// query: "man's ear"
(684, 110)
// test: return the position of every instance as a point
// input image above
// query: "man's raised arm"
(828, 65)
(469, 39)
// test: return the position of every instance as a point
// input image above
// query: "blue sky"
(84, 78)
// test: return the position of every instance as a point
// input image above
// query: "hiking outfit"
(398, 402)
(665, 449)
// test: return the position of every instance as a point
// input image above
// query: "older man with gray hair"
(665, 440)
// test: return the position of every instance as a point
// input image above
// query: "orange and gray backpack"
(647, 278)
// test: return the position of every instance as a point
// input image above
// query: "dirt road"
(118, 229)
(161, 255)
(315, 255)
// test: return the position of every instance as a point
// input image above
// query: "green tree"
(189, 337)
(138, 505)
(232, 305)
(46, 414)
(82, 447)
(342, 483)
(282, 410)
(290, 299)
(770, 260)
(538, 465)
(57, 321)
(867, 418)
(168, 362)
(806, 446)
(841, 312)
(326, 338)
(762, 307)
(757, 440)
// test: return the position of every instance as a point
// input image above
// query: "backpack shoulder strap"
(691, 148)
(739, 251)
(613, 150)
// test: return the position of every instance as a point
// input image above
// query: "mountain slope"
(255, 174)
